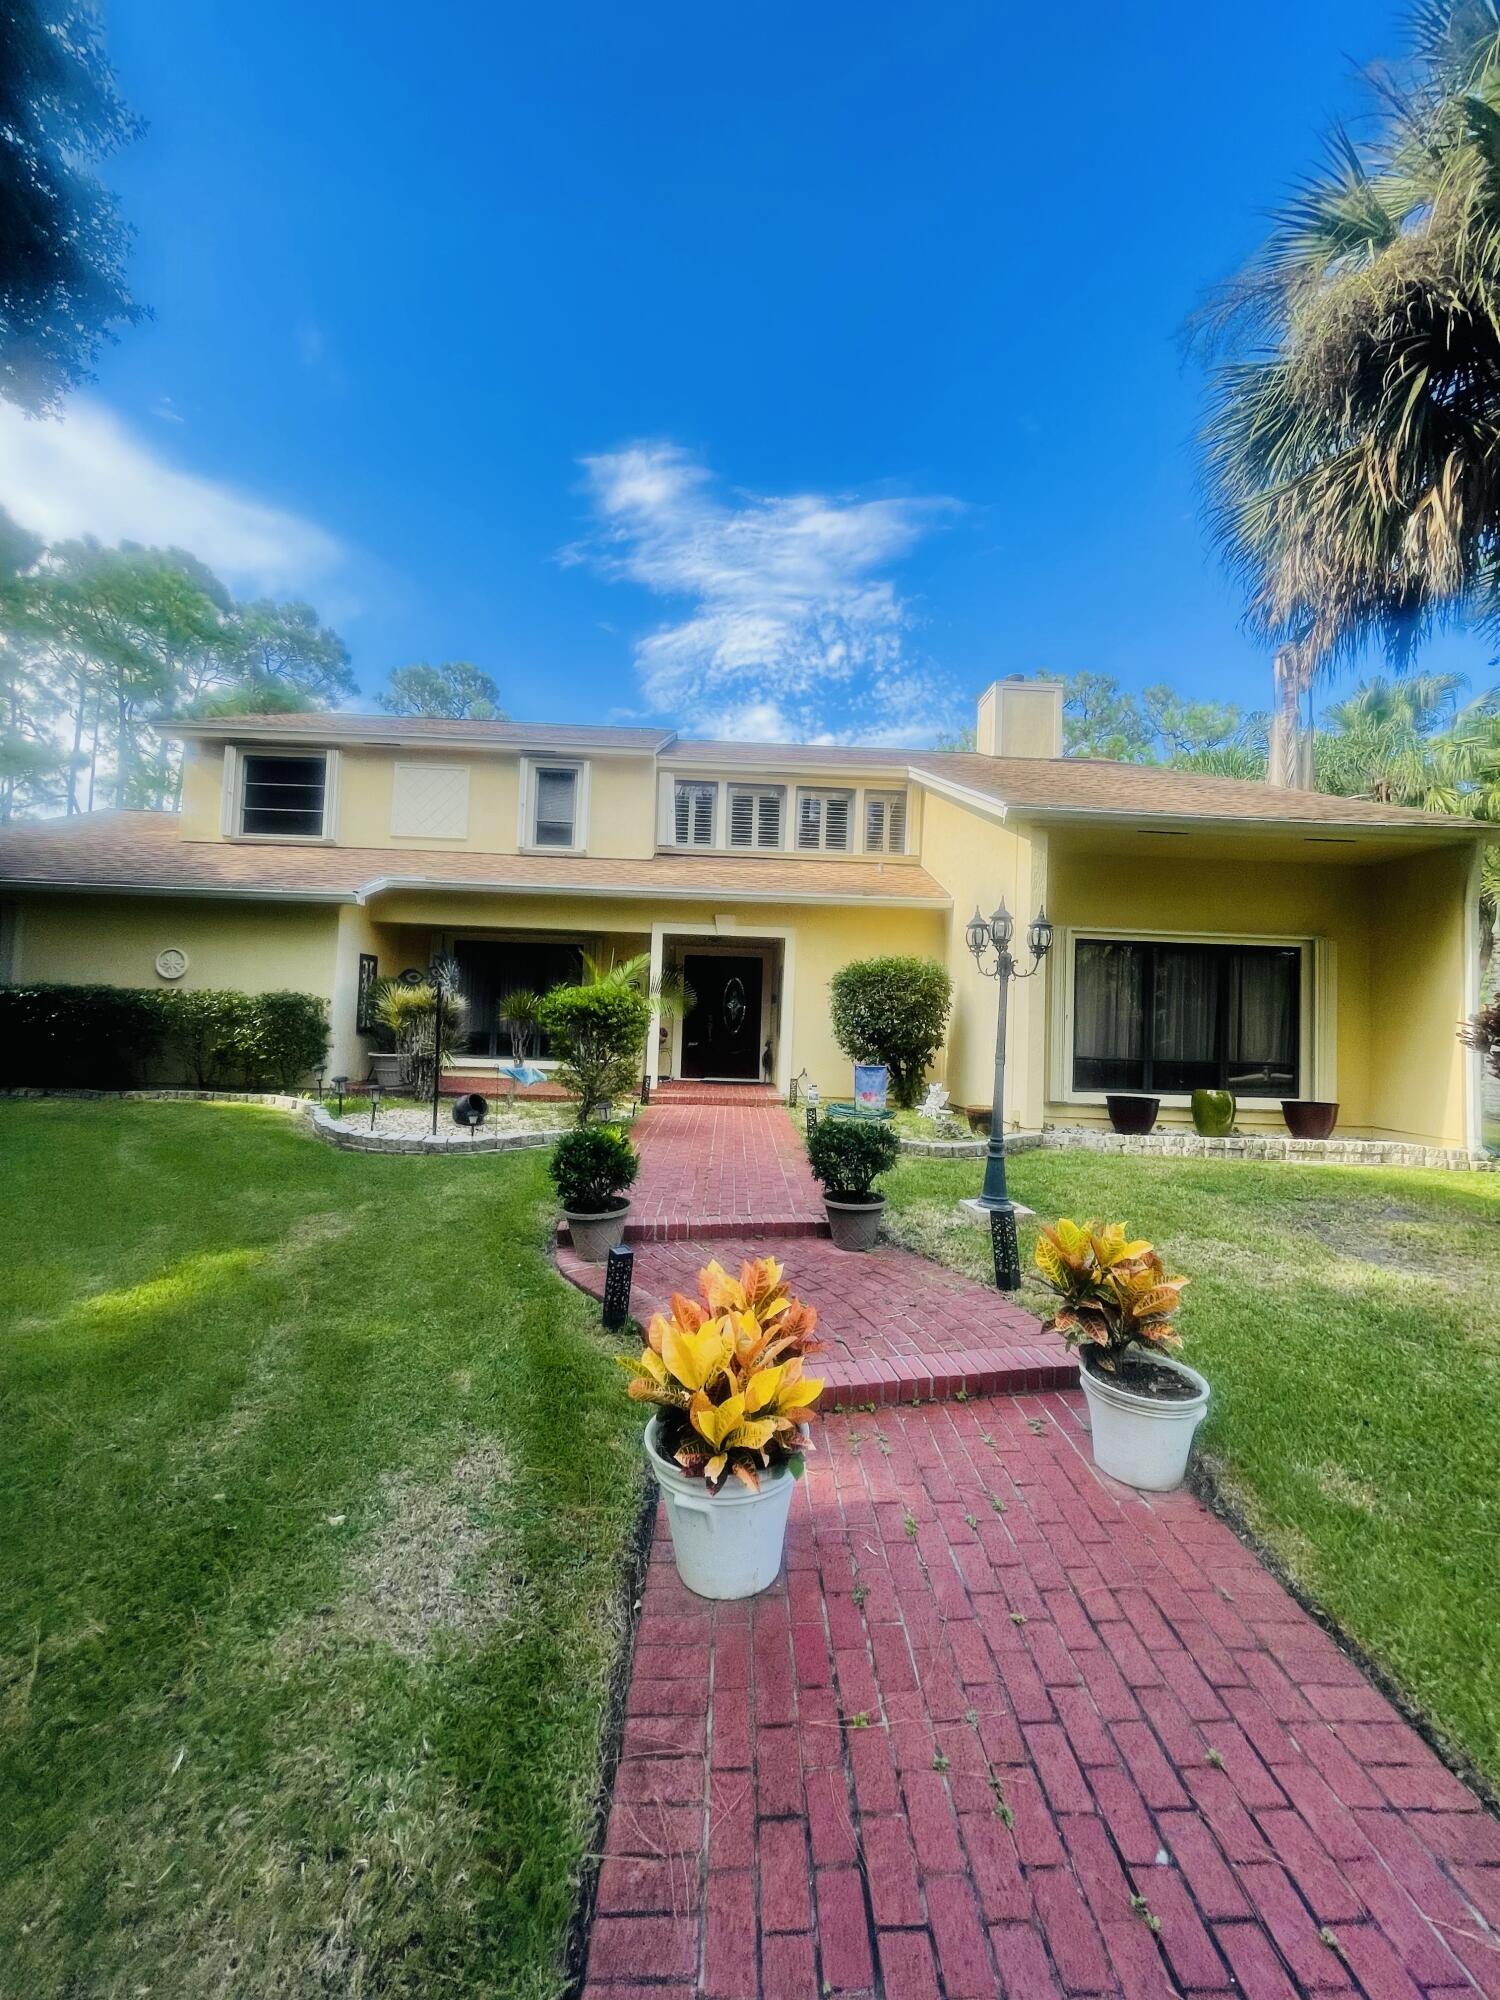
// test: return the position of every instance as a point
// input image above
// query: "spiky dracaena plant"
(726, 1374)
(1352, 444)
(1116, 1293)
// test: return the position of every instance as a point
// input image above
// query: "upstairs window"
(283, 798)
(885, 822)
(693, 809)
(1171, 1018)
(823, 821)
(755, 815)
(555, 818)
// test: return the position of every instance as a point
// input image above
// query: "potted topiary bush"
(1118, 1303)
(726, 1439)
(847, 1156)
(591, 1168)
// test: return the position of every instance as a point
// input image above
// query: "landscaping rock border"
(1270, 1146)
(327, 1129)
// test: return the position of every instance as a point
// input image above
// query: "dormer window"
(885, 822)
(555, 815)
(823, 821)
(694, 807)
(284, 797)
(755, 815)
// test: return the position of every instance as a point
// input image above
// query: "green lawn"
(318, 1489)
(1349, 1320)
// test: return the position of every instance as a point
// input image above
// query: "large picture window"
(282, 798)
(1167, 1018)
(492, 968)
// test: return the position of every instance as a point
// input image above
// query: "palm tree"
(1353, 444)
(669, 993)
(1411, 743)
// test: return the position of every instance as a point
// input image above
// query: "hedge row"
(115, 1037)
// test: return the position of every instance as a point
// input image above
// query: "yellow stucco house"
(1208, 930)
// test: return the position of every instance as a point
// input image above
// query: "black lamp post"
(339, 1083)
(991, 939)
(439, 976)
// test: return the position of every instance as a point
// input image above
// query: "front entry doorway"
(721, 1033)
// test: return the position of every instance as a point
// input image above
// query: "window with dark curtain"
(1172, 1018)
(491, 968)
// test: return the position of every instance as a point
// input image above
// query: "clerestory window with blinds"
(755, 815)
(693, 809)
(823, 821)
(885, 822)
(555, 815)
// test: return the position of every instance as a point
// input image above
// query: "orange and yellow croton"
(1115, 1291)
(727, 1373)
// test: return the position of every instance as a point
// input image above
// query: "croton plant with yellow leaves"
(725, 1372)
(1116, 1293)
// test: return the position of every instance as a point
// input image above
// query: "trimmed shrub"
(848, 1155)
(599, 1031)
(116, 1037)
(591, 1168)
(77, 1037)
(892, 1011)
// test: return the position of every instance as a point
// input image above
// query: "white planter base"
(729, 1543)
(1140, 1442)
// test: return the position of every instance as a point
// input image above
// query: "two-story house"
(1208, 931)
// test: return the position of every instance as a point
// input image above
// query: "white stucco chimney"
(1020, 718)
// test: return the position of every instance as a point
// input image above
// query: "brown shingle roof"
(1094, 785)
(146, 851)
(337, 727)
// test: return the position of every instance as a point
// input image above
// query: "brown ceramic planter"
(1130, 1113)
(1309, 1117)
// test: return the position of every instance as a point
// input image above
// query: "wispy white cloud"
(791, 626)
(89, 474)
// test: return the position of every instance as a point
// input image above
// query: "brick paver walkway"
(729, 1168)
(894, 1326)
(1002, 1726)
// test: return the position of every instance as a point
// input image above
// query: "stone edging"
(326, 1128)
(1271, 1146)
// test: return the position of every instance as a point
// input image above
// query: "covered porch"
(1281, 962)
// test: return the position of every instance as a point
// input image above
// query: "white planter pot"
(1138, 1441)
(729, 1543)
(594, 1236)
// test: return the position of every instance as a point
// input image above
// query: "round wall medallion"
(171, 963)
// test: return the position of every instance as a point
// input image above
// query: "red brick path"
(723, 1169)
(1004, 1727)
(894, 1326)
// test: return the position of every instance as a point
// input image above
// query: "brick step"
(955, 1374)
(740, 1227)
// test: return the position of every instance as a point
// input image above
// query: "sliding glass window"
(1170, 1018)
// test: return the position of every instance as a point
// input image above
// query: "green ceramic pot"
(1213, 1113)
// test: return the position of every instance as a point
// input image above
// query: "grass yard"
(318, 1486)
(1349, 1320)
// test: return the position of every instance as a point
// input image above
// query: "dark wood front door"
(721, 1034)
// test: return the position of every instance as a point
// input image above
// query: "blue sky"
(777, 370)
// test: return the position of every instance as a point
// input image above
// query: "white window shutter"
(742, 819)
(809, 820)
(836, 821)
(896, 824)
(768, 824)
(683, 811)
